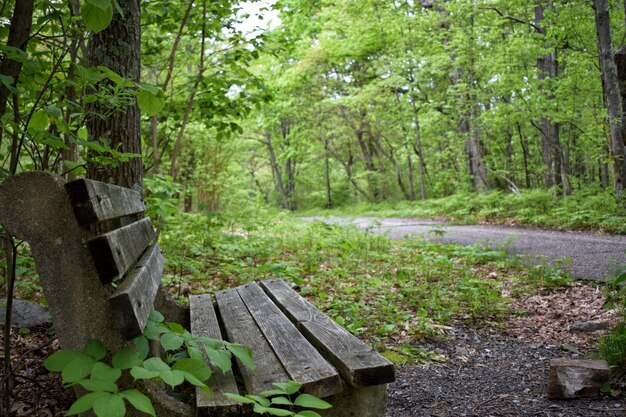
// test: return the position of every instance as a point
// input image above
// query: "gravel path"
(593, 257)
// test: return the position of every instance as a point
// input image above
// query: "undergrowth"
(595, 209)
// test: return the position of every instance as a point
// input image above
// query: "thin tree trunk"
(329, 194)
(612, 94)
(154, 121)
(419, 150)
(278, 176)
(524, 146)
(192, 96)
(550, 146)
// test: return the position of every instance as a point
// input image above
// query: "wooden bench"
(101, 273)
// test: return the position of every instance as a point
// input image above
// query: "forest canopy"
(331, 103)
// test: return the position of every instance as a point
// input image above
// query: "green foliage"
(282, 401)
(98, 373)
(612, 347)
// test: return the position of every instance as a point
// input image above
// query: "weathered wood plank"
(116, 252)
(204, 323)
(133, 300)
(302, 362)
(358, 364)
(95, 201)
(241, 328)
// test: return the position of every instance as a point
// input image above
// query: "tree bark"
(19, 34)
(612, 94)
(118, 48)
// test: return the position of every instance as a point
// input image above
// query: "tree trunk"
(118, 48)
(550, 147)
(612, 94)
(278, 176)
(418, 149)
(19, 34)
(329, 194)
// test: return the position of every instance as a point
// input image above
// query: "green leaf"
(310, 401)
(281, 401)
(59, 360)
(104, 372)
(7, 80)
(95, 18)
(290, 387)
(243, 353)
(85, 403)
(77, 369)
(38, 121)
(52, 142)
(194, 353)
(54, 112)
(98, 385)
(111, 405)
(220, 358)
(196, 382)
(95, 349)
(156, 317)
(260, 400)
(126, 359)
(143, 347)
(271, 411)
(149, 102)
(172, 378)
(139, 401)
(171, 341)
(307, 413)
(139, 372)
(239, 398)
(195, 367)
(156, 364)
(101, 4)
(176, 328)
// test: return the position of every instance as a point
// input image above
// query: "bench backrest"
(86, 237)
(122, 250)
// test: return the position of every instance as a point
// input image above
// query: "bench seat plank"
(302, 362)
(358, 364)
(133, 300)
(95, 201)
(116, 252)
(204, 323)
(241, 328)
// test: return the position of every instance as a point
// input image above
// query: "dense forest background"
(330, 104)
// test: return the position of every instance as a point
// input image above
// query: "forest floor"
(503, 371)
(486, 370)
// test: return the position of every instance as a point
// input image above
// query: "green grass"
(585, 209)
(391, 293)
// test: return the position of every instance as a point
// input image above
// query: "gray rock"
(589, 326)
(25, 314)
(577, 378)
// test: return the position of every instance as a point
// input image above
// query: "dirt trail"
(593, 257)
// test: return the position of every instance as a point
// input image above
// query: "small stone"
(589, 326)
(570, 348)
(577, 378)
